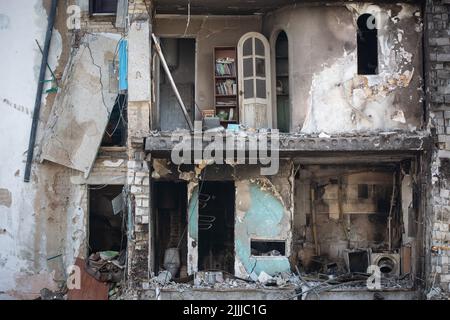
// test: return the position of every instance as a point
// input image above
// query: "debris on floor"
(107, 266)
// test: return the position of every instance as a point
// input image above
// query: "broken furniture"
(106, 266)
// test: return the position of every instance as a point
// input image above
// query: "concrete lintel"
(291, 143)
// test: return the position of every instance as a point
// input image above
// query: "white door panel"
(254, 81)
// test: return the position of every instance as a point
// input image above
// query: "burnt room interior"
(351, 217)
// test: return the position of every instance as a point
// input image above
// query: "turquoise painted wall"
(266, 218)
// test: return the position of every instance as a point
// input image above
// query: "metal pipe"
(172, 82)
(40, 87)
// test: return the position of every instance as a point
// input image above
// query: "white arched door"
(254, 81)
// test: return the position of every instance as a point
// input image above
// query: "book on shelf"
(231, 114)
(226, 88)
(230, 103)
(225, 67)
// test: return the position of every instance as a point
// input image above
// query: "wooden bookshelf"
(226, 102)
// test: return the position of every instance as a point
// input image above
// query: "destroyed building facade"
(349, 97)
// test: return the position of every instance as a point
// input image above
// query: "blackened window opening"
(116, 130)
(367, 45)
(268, 248)
(103, 7)
(107, 229)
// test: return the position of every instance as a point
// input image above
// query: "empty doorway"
(282, 82)
(216, 226)
(170, 227)
(180, 57)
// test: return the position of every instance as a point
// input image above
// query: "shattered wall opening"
(116, 130)
(170, 226)
(216, 226)
(107, 220)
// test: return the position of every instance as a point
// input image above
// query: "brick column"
(438, 103)
(138, 174)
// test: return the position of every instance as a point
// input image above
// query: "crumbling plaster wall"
(327, 95)
(43, 223)
(33, 220)
(209, 32)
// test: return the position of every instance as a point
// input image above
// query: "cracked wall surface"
(327, 94)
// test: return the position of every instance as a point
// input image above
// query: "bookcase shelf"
(226, 101)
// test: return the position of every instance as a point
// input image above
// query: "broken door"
(254, 81)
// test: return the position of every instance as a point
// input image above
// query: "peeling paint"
(260, 215)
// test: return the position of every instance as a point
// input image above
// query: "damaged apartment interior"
(336, 86)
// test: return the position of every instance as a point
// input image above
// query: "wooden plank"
(91, 289)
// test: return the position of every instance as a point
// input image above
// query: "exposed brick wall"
(99, 24)
(138, 174)
(438, 91)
